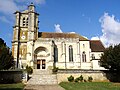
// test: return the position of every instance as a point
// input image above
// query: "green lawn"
(90, 86)
(18, 86)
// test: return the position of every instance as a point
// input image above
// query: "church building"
(44, 50)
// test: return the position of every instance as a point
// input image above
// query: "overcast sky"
(94, 19)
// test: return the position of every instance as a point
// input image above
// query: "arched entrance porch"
(40, 57)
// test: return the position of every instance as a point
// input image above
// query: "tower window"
(27, 22)
(23, 18)
(70, 53)
(83, 57)
(24, 21)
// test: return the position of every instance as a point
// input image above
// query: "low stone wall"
(97, 75)
(10, 76)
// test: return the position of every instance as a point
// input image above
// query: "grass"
(90, 86)
(18, 86)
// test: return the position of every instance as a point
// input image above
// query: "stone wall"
(10, 76)
(97, 75)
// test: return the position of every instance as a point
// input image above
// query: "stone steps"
(38, 72)
(43, 77)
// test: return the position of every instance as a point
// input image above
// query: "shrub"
(85, 80)
(90, 79)
(77, 79)
(71, 78)
(29, 69)
(81, 78)
(55, 69)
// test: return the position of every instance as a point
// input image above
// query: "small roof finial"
(31, 3)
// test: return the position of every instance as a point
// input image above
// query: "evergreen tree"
(6, 58)
(111, 58)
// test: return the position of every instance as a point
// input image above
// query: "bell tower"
(33, 23)
(25, 30)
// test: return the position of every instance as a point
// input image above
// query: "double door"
(41, 64)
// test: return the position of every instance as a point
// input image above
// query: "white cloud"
(95, 38)
(8, 7)
(110, 29)
(57, 28)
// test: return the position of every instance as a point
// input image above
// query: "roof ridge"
(60, 35)
(95, 40)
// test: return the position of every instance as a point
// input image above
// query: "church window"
(55, 53)
(83, 45)
(70, 53)
(93, 56)
(83, 57)
(23, 18)
(24, 21)
(27, 22)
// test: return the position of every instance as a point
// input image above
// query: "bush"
(81, 78)
(77, 79)
(71, 78)
(55, 69)
(90, 79)
(85, 80)
(29, 69)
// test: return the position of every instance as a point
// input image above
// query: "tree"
(6, 58)
(111, 58)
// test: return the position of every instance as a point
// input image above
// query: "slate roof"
(96, 46)
(60, 35)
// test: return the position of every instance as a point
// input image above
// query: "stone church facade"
(43, 50)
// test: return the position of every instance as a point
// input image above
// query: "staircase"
(42, 77)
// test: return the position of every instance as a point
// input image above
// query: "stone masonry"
(43, 77)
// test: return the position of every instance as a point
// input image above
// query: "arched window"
(24, 21)
(83, 45)
(27, 22)
(70, 53)
(93, 56)
(55, 53)
(83, 57)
